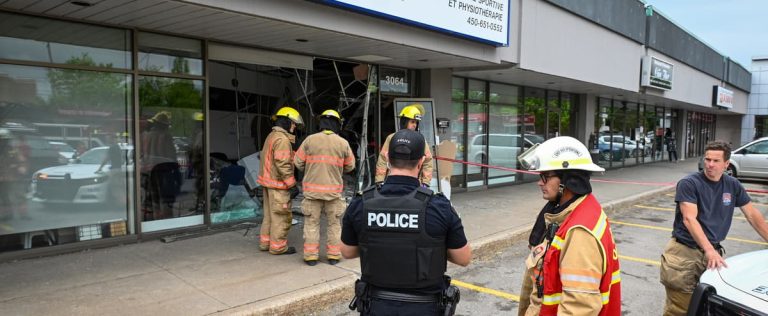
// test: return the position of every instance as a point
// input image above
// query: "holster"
(451, 298)
(361, 300)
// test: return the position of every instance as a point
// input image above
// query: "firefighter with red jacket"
(573, 265)
(324, 157)
(276, 177)
(410, 118)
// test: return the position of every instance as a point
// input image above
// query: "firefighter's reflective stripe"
(580, 279)
(322, 188)
(552, 299)
(557, 242)
(615, 277)
(281, 154)
(278, 244)
(599, 229)
(311, 248)
(335, 161)
(277, 184)
(334, 249)
(264, 239)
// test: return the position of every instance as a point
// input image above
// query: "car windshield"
(62, 147)
(536, 139)
(93, 156)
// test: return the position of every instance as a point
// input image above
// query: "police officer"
(403, 234)
(573, 266)
(324, 157)
(276, 177)
(410, 118)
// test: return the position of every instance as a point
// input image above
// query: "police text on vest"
(393, 220)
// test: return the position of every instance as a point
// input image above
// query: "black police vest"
(395, 249)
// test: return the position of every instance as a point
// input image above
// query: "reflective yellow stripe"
(606, 297)
(557, 242)
(571, 162)
(553, 299)
(615, 277)
(600, 227)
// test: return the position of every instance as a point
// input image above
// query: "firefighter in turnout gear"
(276, 177)
(324, 157)
(410, 117)
(573, 266)
(404, 234)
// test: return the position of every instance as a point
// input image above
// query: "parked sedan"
(748, 161)
(81, 181)
(741, 289)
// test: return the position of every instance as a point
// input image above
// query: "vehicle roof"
(752, 142)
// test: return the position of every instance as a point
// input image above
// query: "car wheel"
(731, 171)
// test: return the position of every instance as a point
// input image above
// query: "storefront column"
(685, 134)
(586, 117)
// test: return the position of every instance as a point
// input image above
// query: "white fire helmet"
(559, 153)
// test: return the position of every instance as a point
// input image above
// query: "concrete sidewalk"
(224, 273)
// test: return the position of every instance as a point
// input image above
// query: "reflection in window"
(170, 54)
(61, 187)
(170, 130)
(31, 38)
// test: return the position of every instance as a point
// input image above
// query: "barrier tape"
(593, 180)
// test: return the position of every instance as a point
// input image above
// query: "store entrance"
(242, 99)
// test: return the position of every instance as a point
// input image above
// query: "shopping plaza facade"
(128, 113)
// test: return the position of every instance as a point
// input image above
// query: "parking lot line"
(670, 229)
(636, 259)
(505, 295)
(668, 209)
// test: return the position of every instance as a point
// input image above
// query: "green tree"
(83, 89)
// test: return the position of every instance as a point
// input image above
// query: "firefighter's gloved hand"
(294, 192)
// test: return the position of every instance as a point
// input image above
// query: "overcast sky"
(735, 28)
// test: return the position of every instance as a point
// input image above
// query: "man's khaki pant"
(681, 268)
(277, 221)
(312, 210)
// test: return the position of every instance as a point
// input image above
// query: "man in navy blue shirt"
(705, 203)
(403, 234)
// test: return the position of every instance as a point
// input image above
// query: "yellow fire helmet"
(559, 153)
(414, 111)
(332, 113)
(198, 116)
(290, 113)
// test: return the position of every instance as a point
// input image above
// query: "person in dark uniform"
(404, 235)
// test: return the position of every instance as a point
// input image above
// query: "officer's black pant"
(381, 307)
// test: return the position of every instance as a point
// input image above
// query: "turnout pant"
(312, 210)
(681, 268)
(277, 221)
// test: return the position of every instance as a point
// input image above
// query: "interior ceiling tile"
(179, 14)
(86, 12)
(44, 5)
(144, 12)
(64, 9)
(18, 4)
(120, 11)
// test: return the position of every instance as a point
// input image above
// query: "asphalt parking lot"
(641, 231)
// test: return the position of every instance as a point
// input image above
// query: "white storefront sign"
(656, 73)
(481, 20)
(722, 97)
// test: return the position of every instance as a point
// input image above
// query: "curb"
(320, 296)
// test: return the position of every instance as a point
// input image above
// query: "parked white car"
(80, 181)
(740, 289)
(503, 149)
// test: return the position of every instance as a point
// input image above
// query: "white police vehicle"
(741, 289)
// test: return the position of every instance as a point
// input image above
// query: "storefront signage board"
(722, 97)
(656, 73)
(485, 21)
